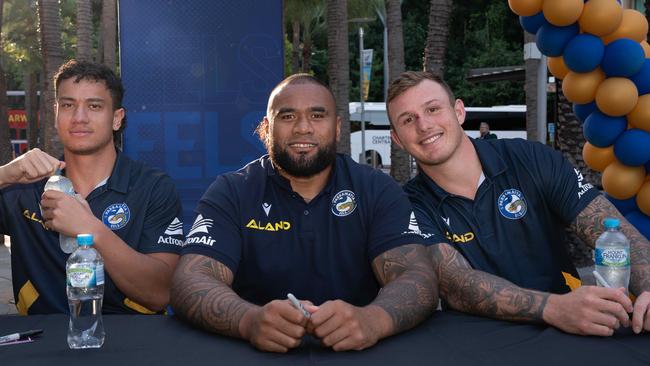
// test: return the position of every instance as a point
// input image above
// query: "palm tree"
(84, 30)
(5, 137)
(109, 33)
(338, 66)
(437, 35)
(400, 168)
(52, 50)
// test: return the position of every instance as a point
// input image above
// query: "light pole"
(362, 158)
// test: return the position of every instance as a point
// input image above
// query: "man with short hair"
(131, 210)
(484, 132)
(503, 206)
(307, 221)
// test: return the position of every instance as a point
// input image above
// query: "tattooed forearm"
(476, 292)
(589, 225)
(409, 292)
(201, 294)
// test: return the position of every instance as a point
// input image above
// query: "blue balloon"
(532, 23)
(642, 78)
(640, 221)
(623, 206)
(623, 57)
(602, 130)
(551, 40)
(583, 53)
(582, 111)
(632, 147)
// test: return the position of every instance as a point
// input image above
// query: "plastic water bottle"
(612, 255)
(85, 287)
(57, 182)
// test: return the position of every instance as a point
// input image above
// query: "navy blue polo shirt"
(138, 203)
(275, 243)
(514, 227)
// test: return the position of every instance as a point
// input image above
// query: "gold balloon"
(616, 96)
(634, 26)
(557, 67)
(581, 87)
(646, 48)
(598, 158)
(562, 12)
(643, 198)
(601, 17)
(640, 115)
(525, 8)
(622, 181)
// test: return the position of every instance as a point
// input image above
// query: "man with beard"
(130, 209)
(307, 221)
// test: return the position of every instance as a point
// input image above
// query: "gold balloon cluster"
(614, 96)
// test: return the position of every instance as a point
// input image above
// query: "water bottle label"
(99, 274)
(83, 275)
(612, 257)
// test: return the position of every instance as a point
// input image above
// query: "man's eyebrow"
(318, 109)
(285, 110)
(92, 100)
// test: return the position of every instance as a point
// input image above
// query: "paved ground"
(7, 305)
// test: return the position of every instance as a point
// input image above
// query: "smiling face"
(302, 128)
(85, 119)
(426, 123)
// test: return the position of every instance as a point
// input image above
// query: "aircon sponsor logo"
(201, 225)
(583, 186)
(414, 228)
(175, 228)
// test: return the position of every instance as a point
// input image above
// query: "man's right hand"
(589, 310)
(275, 327)
(30, 167)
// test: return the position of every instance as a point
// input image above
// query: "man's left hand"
(346, 327)
(66, 214)
(641, 315)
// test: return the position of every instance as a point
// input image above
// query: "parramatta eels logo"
(116, 216)
(343, 203)
(512, 204)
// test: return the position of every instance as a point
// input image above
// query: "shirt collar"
(121, 174)
(491, 163)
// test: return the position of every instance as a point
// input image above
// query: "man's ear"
(395, 138)
(459, 109)
(118, 117)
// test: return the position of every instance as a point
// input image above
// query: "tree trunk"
(5, 137)
(31, 108)
(295, 42)
(338, 66)
(400, 167)
(306, 47)
(647, 16)
(109, 32)
(435, 48)
(530, 87)
(84, 30)
(52, 49)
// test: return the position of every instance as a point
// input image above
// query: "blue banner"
(197, 75)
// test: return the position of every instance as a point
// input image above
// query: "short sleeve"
(565, 188)
(163, 228)
(215, 230)
(394, 223)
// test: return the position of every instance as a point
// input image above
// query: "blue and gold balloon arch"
(599, 51)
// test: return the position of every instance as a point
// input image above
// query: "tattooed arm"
(589, 225)
(585, 311)
(408, 296)
(201, 294)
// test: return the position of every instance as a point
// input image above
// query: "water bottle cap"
(85, 239)
(611, 223)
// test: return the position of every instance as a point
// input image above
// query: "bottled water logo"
(83, 275)
(616, 257)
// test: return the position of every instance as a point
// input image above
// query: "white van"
(505, 122)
